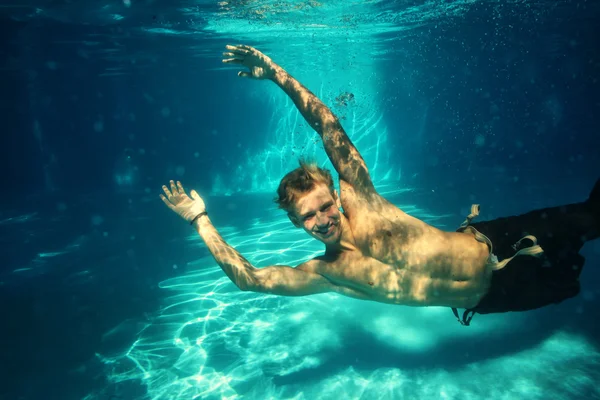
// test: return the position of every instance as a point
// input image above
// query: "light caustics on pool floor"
(210, 340)
(288, 137)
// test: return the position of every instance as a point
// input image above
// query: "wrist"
(276, 73)
(199, 217)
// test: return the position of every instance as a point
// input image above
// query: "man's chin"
(332, 238)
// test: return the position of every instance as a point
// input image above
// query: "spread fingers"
(167, 202)
(237, 50)
(180, 188)
(173, 188)
(233, 61)
(168, 193)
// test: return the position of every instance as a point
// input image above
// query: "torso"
(402, 260)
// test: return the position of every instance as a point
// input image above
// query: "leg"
(528, 282)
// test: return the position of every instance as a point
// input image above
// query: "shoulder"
(316, 265)
(366, 195)
(328, 264)
(323, 264)
(366, 209)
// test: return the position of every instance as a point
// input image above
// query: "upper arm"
(345, 158)
(300, 281)
(287, 281)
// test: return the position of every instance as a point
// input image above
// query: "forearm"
(317, 114)
(235, 266)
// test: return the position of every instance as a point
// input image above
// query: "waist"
(418, 290)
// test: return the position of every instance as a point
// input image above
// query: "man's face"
(317, 212)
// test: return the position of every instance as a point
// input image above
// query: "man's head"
(308, 195)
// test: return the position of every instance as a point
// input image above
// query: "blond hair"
(301, 181)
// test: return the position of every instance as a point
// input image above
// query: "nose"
(322, 219)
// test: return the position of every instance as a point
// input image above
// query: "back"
(411, 262)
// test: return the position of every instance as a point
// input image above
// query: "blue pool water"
(106, 294)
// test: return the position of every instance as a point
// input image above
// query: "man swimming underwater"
(375, 251)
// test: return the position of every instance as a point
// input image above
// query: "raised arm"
(343, 154)
(280, 280)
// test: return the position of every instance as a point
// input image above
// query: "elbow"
(249, 282)
(329, 127)
(259, 283)
(253, 287)
(245, 286)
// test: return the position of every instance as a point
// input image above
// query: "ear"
(336, 197)
(294, 220)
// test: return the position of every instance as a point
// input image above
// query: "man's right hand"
(185, 206)
(261, 66)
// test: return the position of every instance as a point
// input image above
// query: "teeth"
(325, 231)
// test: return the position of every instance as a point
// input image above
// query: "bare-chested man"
(375, 251)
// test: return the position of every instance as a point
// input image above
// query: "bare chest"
(387, 234)
(402, 260)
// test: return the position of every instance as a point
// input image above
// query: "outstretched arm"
(279, 280)
(341, 151)
(193, 210)
(299, 281)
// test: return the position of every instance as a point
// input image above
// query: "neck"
(346, 242)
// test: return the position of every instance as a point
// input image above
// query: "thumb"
(245, 74)
(195, 195)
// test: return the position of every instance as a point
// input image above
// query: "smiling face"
(317, 212)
